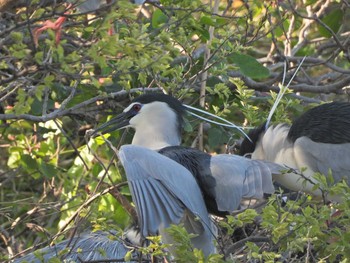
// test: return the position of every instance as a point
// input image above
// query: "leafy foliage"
(53, 180)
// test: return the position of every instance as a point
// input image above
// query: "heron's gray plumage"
(88, 5)
(239, 178)
(325, 157)
(166, 194)
(87, 247)
(225, 179)
(93, 5)
(319, 141)
(157, 120)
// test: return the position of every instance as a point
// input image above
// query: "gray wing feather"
(259, 173)
(92, 246)
(157, 208)
(252, 183)
(321, 157)
(163, 191)
(238, 177)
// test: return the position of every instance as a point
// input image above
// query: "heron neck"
(156, 138)
(272, 142)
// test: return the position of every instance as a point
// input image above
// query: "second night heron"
(171, 184)
(316, 142)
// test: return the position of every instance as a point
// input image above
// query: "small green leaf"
(203, 34)
(17, 36)
(158, 18)
(206, 20)
(216, 137)
(48, 170)
(248, 216)
(28, 163)
(142, 78)
(89, 29)
(310, 2)
(187, 125)
(3, 65)
(49, 79)
(249, 66)
(217, 22)
(333, 20)
(128, 255)
(220, 21)
(39, 56)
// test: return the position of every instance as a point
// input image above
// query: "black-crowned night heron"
(319, 140)
(170, 184)
(163, 190)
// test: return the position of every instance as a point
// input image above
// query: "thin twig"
(255, 239)
(84, 205)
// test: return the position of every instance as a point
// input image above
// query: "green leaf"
(248, 216)
(17, 36)
(86, 92)
(310, 2)
(158, 18)
(37, 106)
(206, 20)
(220, 21)
(28, 163)
(203, 33)
(333, 20)
(48, 170)
(187, 125)
(49, 79)
(217, 22)
(216, 137)
(23, 104)
(128, 255)
(39, 56)
(249, 66)
(89, 29)
(143, 78)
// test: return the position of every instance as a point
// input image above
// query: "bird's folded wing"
(322, 157)
(162, 190)
(238, 177)
(258, 178)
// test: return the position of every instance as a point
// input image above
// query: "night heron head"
(157, 119)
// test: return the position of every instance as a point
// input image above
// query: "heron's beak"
(116, 123)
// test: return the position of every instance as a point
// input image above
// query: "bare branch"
(63, 112)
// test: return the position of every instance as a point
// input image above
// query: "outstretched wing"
(238, 177)
(164, 193)
(97, 246)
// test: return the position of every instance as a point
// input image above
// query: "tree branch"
(120, 95)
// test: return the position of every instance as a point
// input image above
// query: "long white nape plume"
(282, 90)
(225, 124)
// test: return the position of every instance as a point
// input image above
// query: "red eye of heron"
(136, 107)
